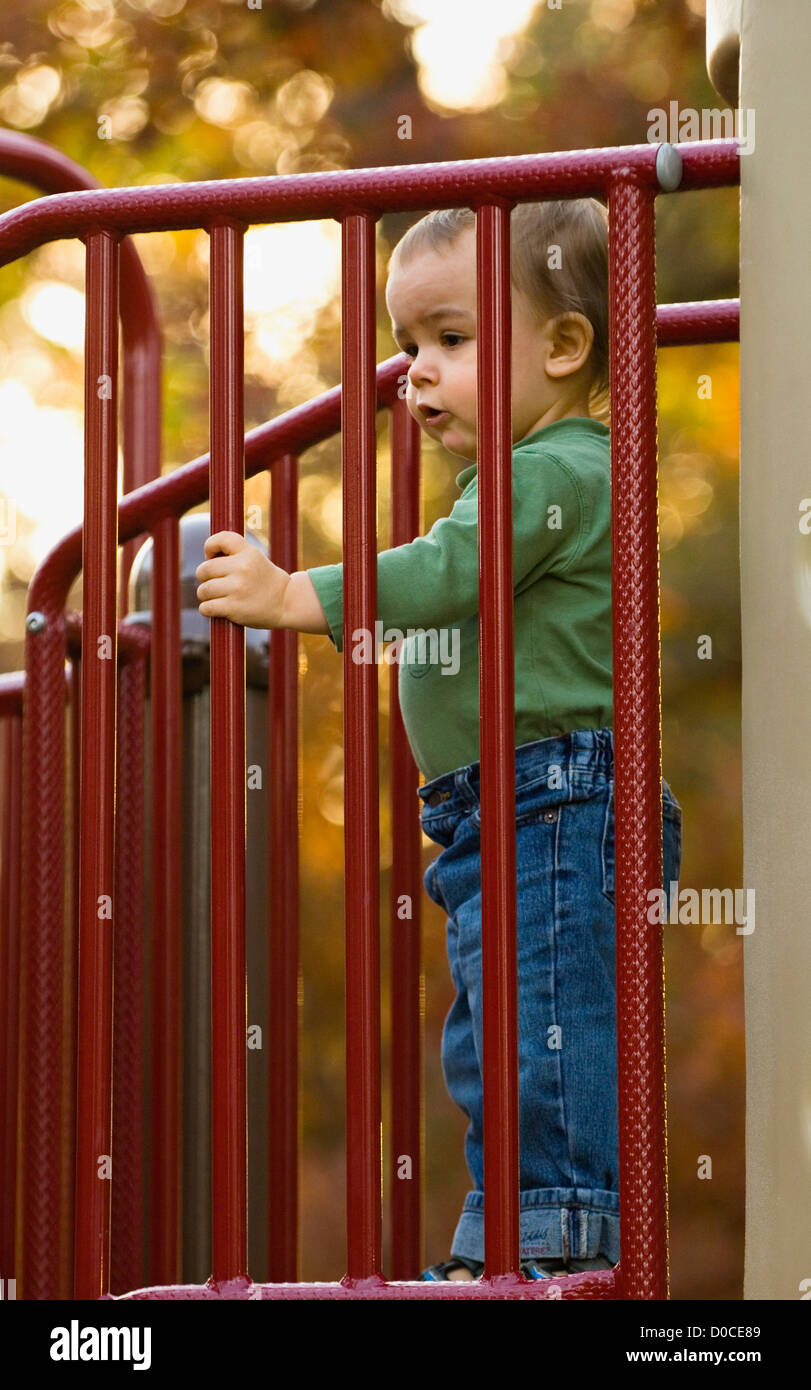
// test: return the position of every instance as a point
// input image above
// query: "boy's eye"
(448, 339)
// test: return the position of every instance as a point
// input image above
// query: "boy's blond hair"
(579, 226)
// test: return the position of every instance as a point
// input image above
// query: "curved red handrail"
(32, 161)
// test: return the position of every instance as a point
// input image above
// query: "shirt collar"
(554, 427)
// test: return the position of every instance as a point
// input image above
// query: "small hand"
(240, 583)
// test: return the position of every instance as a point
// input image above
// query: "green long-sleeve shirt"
(562, 611)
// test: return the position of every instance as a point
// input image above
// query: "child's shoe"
(583, 1266)
(545, 1269)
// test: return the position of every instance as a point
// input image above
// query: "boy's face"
(432, 302)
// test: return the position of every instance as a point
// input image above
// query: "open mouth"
(434, 416)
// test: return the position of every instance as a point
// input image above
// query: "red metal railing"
(628, 179)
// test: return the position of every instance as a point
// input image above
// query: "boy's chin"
(464, 449)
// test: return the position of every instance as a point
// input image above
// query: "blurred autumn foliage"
(218, 89)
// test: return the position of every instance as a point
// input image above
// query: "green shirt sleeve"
(433, 581)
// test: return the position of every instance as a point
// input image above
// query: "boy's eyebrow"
(435, 314)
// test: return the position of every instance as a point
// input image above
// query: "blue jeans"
(567, 1023)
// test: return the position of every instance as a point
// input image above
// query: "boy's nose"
(421, 370)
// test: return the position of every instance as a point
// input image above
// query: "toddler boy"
(569, 1201)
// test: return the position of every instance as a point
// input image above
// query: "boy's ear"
(572, 338)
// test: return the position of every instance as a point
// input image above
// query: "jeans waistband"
(579, 754)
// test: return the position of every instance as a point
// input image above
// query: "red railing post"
(637, 741)
(9, 988)
(47, 1048)
(361, 793)
(70, 981)
(406, 881)
(497, 730)
(229, 1020)
(127, 1240)
(165, 908)
(283, 897)
(96, 847)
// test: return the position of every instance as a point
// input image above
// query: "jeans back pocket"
(671, 837)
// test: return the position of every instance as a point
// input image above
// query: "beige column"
(775, 515)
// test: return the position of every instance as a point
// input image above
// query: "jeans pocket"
(607, 847)
(671, 840)
(431, 885)
(436, 825)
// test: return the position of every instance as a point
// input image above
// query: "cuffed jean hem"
(554, 1222)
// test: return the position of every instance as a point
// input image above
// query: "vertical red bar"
(46, 1052)
(637, 746)
(166, 911)
(126, 1217)
(229, 1016)
(283, 898)
(361, 796)
(10, 985)
(97, 795)
(45, 1048)
(497, 733)
(406, 885)
(142, 408)
(70, 1002)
